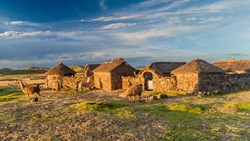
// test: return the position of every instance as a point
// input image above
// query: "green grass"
(218, 117)
(10, 94)
(126, 113)
(185, 108)
(96, 106)
(243, 106)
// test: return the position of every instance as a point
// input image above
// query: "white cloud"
(113, 18)
(156, 32)
(102, 5)
(173, 20)
(15, 23)
(118, 25)
(210, 20)
(16, 34)
(191, 19)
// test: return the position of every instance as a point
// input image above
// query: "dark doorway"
(148, 79)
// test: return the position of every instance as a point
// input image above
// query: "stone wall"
(51, 79)
(71, 82)
(102, 81)
(165, 84)
(235, 82)
(194, 83)
(118, 73)
(210, 82)
(187, 82)
(130, 80)
(161, 84)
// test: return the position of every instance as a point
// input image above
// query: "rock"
(162, 96)
(151, 98)
(35, 99)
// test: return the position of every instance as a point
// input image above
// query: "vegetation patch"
(96, 106)
(9, 94)
(184, 108)
(243, 106)
(126, 113)
(230, 107)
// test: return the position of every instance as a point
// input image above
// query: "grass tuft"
(184, 108)
(126, 113)
(96, 106)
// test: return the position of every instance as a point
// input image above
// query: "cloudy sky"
(43, 32)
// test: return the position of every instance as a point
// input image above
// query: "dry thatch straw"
(233, 65)
(60, 69)
(197, 66)
(88, 69)
(164, 68)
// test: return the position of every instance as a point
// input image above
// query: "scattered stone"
(151, 98)
(162, 96)
(35, 99)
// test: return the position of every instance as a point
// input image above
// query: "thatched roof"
(164, 68)
(90, 66)
(77, 68)
(110, 66)
(233, 65)
(60, 69)
(88, 69)
(197, 66)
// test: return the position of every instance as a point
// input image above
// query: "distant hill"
(30, 70)
(36, 68)
(77, 68)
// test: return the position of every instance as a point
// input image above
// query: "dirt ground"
(59, 116)
(51, 119)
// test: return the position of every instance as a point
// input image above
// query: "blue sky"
(43, 32)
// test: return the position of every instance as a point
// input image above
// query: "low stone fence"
(235, 82)
(165, 84)
(161, 84)
(129, 80)
(71, 82)
(212, 83)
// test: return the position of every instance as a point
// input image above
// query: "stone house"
(198, 75)
(155, 77)
(233, 66)
(88, 69)
(57, 74)
(108, 75)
